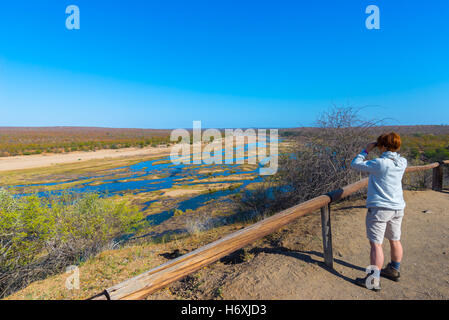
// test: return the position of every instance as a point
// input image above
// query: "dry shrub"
(199, 222)
(418, 180)
(320, 163)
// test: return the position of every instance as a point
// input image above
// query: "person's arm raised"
(359, 162)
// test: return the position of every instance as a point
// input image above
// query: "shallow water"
(168, 175)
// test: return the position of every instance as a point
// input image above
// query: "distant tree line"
(26, 141)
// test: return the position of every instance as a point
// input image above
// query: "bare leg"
(376, 255)
(396, 250)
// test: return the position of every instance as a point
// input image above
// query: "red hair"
(391, 141)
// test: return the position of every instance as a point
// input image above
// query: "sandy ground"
(180, 192)
(45, 160)
(288, 264)
(301, 275)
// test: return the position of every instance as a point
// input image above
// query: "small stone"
(427, 211)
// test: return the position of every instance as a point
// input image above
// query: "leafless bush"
(258, 202)
(322, 163)
(199, 222)
(318, 165)
(52, 263)
(417, 180)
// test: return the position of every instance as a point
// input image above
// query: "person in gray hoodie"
(385, 203)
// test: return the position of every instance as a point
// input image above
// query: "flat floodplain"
(162, 190)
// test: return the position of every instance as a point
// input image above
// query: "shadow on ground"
(307, 257)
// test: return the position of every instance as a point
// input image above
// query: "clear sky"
(228, 63)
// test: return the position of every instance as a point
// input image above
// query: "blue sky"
(245, 63)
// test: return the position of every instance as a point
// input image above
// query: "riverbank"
(46, 160)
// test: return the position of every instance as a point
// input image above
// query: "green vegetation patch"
(40, 236)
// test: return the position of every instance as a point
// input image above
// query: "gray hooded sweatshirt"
(385, 179)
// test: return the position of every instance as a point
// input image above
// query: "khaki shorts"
(382, 223)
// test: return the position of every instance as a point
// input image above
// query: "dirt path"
(288, 265)
(45, 160)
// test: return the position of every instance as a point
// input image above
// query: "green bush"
(438, 154)
(40, 236)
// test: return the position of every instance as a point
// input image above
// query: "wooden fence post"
(437, 179)
(327, 235)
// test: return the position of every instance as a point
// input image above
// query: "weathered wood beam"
(326, 231)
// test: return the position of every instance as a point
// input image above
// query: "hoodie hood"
(393, 156)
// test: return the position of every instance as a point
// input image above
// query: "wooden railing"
(146, 283)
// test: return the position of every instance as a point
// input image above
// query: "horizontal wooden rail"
(424, 167)
(146, 283)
